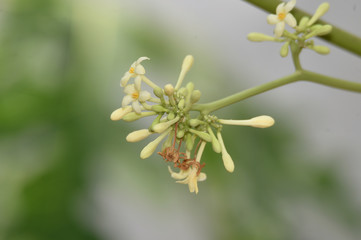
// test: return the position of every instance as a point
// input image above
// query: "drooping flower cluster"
(305, 29)
(186, 136)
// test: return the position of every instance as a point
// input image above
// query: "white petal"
(125, 79)
(139, 69)
(137, 83)
(291, 20)
(136, 107)
(280, 27)
(127, 100)
(280, 8)
(181, 175)
(272, 19)
(129, 89)
(141, 59)
(144, 96)
(290, 5)
(202, 177)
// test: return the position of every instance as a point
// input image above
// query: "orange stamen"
(131, 70)
(135, 95)
(281, 16)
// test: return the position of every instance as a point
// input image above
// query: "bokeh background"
(66, 171)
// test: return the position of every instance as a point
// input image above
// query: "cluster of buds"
(184, 136)
(304, 30)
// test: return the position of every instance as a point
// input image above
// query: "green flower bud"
(215, 144)
(183, 92)
(303, 22)
(169, 89)
(284, 49)
(196, 95)
(171, 116)
(155, 122)
(160, 127)
(181, 104)
(321, 49)
(158, 92)
(189, 142)
(132, 116)
(159, 108)
(321, 10)
(205, 136)
(150, 148)
(195, 122)
(259, 37)
(180, 134)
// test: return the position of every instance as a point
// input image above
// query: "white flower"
(189, 177)
(136, 71)
(282, 17)
(134, 96)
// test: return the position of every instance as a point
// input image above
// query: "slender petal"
(127, 100)
(144, 96)
(280, 27)
(291, 20)
(280, 8)
(125, 79)
(129, 89)
(272, 19)
(137, 82)
(290, 5)
(136, 107)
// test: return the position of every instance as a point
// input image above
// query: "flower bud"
(215, 144)
(321, 49)
(120, 113)
(189, 142)
(169, 89)
(138, 135)
(259, 37)
(284, 49)
(195, 122)
(160, 127)
(319, 30)
(196, 95)
(180, 134)
(227, 160)
(159, 108)
(205, 136)
(187, 63)
(181, 104)
(158, 92)
(258, 122)
(132, 116)
(302, 24)
(321, 10)
(150, 148)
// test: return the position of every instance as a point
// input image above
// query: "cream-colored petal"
(272, 19)
(138, 135)
(129, 89)
(290, 5)
(139, 69)
(280, 8)
(125, 79)
(291, 20)
(138, 83)
(141, 59)
(202, 177)
(280, 27)
(144, 96)
(127, 100)
(136, 107)
(182, 174)
(120, 113)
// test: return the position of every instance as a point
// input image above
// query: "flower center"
(281, 16)
(131, 70)
(135, 95)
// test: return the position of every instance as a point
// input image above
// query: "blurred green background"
(66, 171)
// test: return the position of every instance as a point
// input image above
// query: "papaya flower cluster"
(303, 31)
(181, 137)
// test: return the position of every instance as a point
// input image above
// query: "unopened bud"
(120, 113)
(150, 148)
(161, 127)
(303, 22)
(132, 116)
(196, 95)
(258, 122)
(169, 89)
(227, 160)
(259, 37)
(158, 92)
(138, 135)
(321, 10)
(284, 49)
(321, 49)
(205, 136)
(159, 108)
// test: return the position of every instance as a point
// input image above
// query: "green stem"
(296, 76)
(338, 36)
(212, 106)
